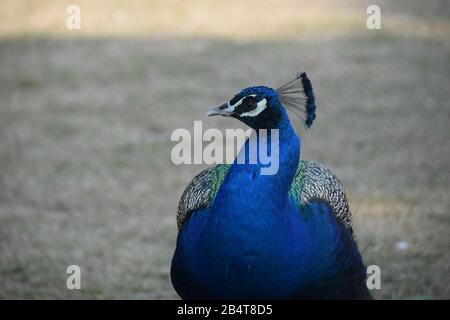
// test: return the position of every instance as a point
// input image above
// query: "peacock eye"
(249, 103)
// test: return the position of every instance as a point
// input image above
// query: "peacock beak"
(223, 110)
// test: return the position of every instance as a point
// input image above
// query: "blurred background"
(86, 117)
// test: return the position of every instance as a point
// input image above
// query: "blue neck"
(245, 185)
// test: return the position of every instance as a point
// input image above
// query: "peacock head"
(262, 107)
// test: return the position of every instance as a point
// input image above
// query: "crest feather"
(297, 95)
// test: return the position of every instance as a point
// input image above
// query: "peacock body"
(244, 235)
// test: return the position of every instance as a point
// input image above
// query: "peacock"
(245, 235)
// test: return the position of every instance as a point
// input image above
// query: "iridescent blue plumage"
(258, 90)
(247, 235)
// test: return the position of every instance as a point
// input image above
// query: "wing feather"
(201, 191)
(315, 181)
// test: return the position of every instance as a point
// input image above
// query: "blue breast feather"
(310, 255)
(256, 241)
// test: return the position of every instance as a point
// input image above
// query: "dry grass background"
(86, 118)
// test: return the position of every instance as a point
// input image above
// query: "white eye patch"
(232, 107)
(260, 106)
